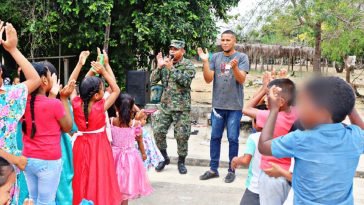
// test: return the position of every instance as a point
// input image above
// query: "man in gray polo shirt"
(227, 70)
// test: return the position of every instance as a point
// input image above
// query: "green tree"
(334, 27)
(138, 28)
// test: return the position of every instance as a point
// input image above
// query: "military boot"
(162, 164)
(181, 165)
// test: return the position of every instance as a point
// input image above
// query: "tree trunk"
(107, 35)
(317, 55)
(256, 62)
(347, 69)
(348, 72)
(262, 64)
(250, 63)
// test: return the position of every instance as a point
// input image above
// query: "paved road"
(173, 188)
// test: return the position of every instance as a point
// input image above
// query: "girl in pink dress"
(131, 173)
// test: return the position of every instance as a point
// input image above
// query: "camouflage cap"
(177, 44)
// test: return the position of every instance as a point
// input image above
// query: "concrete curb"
(225, 164)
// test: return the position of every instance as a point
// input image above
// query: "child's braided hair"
(88, 88)
(42, 71)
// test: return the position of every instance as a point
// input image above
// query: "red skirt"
(94, 171)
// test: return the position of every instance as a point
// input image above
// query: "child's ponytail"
(88, 88)
(125, 104)
(42, 71)
(24, 124)
(34, 127)
(86, 101)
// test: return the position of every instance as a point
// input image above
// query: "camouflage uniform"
(175, 103)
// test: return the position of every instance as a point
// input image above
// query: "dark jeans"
(219, 120)
(250, 198)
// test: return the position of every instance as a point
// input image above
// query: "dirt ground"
(202, 92)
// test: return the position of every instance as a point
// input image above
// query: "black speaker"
(138, 86)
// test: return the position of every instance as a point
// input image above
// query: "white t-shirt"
(252, 182)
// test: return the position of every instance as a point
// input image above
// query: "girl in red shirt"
(44, 119)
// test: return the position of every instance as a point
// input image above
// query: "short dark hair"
(288, 88)
(334, 94)
(229, 32)
(5, 170)
(261, 107)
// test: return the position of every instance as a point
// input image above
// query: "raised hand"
(11, 38)
(160, 60)
(83, 57)
(274, 73)
(274, 98)
(139, 115)
(266, 79)
(234, 63)
(106, 57)
(282, 73)
(68, 89)
(97, 67)
(98, 54)
(204, 56)
(56, 86)
(168, 62)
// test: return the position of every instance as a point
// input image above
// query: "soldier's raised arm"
(156, 75)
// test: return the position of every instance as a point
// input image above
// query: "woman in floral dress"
(13, 101)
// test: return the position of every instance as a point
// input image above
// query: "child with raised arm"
(13, 98)
(94, 170)
(275, 190)
(13, 101)
(64, 194)
(251, 159)
(327, 152)
(44, 118)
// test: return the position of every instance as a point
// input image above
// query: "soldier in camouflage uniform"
(176, 74)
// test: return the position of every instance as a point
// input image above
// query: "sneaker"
(209, 175)
(230, 177)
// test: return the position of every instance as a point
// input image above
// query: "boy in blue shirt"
(327, 152)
